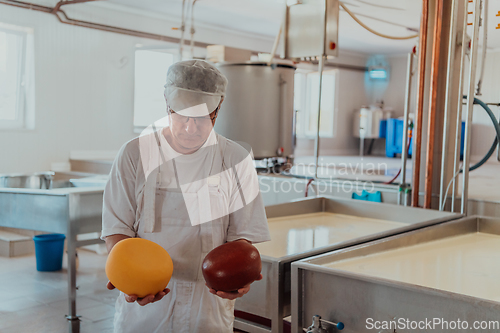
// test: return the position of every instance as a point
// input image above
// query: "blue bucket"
(49, 250)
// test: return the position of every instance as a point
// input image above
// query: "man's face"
(190, 133)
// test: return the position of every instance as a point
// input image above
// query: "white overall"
(171, 218)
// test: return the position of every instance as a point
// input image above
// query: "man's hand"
(144, 300)
(233, 294)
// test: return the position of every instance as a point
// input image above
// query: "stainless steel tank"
(258, 107)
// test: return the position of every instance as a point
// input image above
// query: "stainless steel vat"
(358, 299)
(270, 297)
(62, 209)
(40, 180)
(258, 107)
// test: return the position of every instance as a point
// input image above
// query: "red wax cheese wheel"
(139, 267)
(231, 266)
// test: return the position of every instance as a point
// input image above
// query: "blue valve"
(316, 325)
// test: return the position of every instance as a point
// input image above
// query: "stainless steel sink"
(50, 180)
(39, 180)
(55, 202)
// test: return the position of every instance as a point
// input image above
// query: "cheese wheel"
(231, 266)
(137, 266)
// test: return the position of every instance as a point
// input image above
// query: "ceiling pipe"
(420, 103)
(27, 5)
(57, 11)
(62, 3)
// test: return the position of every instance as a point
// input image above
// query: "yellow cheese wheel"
(139, 267)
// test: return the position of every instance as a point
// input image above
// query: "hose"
(488, 154)
(407, 152)
(497, 138)
(370, 29)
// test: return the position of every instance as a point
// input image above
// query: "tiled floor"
(37, 301)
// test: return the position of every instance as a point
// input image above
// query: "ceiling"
(263, 17)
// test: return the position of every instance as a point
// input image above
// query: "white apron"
(171, 219)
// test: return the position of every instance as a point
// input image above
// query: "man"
(189, 190)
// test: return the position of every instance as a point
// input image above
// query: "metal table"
(269, 299)
(352, 286)
(66, 210)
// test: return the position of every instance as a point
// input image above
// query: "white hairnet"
(194, 87)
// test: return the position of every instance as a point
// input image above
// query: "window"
(306, 103)
(16, 77)
(150, 76)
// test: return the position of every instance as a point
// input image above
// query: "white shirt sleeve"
(119, 202)
(247, 218)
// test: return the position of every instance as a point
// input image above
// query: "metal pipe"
(420, 103)
(72, 317)
(284, 30)
(66, 2)
(193, 31)
(404, 155)
(431, 135)
(470, 105)
(281, 131)
(484, 24)
(340, 66)
(449, 74)
(183, 29)
(27, 5)
(275, 46)
(458, 130)
(316, 146)
(96, 26)
(361, 145)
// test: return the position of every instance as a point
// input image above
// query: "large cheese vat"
(441, 278)
(258, 107)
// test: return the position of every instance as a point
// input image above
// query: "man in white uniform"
(189, 190)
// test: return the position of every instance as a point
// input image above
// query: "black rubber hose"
(497, 138)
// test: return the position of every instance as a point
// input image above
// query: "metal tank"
(443, 274)
(258, 107)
